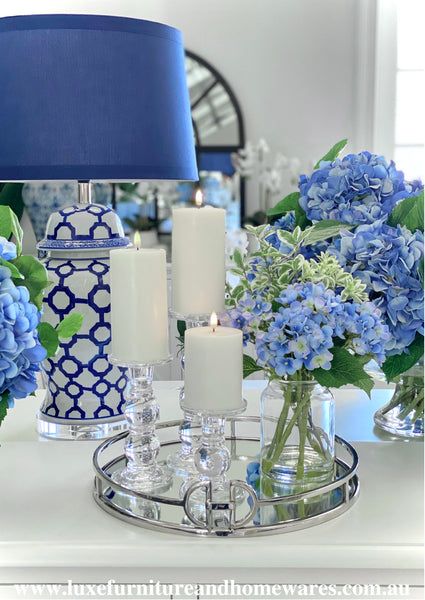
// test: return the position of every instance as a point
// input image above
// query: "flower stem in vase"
(297, 447)
(404, 414)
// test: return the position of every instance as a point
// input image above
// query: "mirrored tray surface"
(243, 512)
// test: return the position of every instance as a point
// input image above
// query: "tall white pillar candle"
(139, 311)
(198, 263)
(213, 369)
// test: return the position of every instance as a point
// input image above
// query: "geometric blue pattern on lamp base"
(82, 383)
(41, 198)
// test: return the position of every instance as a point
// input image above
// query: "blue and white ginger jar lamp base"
(84, 397)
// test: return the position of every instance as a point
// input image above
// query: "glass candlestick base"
(142, 472)
(212, 462)
(182, 461)
(157, 480)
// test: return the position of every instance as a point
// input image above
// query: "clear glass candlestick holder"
(212, 463)
(142, 473)
(182, 461)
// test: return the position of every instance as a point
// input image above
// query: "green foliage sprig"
(50, 336)
(28, 271)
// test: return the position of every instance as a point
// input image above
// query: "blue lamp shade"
(93, 97)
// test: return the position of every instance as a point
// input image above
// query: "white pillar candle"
(198, 266)
(213, 369)
(139, 311)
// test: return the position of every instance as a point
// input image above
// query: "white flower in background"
(244, 161)
(262, 149)
(273, 175)
(236, 239)
(281, 161)
(294, 169)
(272, 180)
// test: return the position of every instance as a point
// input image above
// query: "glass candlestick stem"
(142, 473)
(182, 462)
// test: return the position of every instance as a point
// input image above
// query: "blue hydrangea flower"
(303, 331)
(360, 188)
(20, 349)
(388, 260)
(7, 249)
(253, 475)
(256, 264)
(247, 315)
(286, 223)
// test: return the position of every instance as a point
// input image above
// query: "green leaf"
(409, 212)
(128, 187)
(290, 202)
(70, 325)
(333, 153)
(322, 231)
(249, 366)
(3, 406)
(9, 225)
(397, 364)
(345, 368)
(48, 337)
(301, 218)
(11, 195)
(181, 328)
(238, 259)
(237, 292)
(35, 277)
(13, 270)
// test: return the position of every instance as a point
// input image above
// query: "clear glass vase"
(297, 446)
(404, 414)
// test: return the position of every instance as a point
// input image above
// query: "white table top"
(48, 517)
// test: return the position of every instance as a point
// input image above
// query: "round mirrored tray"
(244, 513)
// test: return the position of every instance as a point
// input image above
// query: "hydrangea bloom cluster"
(387, 259)
(7, 249)
(20, 349)
(303, 331)
(357, 189)
(247, 316)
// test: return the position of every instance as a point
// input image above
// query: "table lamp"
(84, 98)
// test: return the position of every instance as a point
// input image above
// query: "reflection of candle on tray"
(139, 312)
(213, 368)
(198, 259)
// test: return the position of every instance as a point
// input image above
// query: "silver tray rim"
(348, 482)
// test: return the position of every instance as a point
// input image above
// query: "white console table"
(51, 529)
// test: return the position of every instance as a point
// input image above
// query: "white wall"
(291, 63)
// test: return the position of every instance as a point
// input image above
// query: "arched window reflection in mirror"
(215, 111)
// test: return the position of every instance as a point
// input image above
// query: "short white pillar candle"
(139, 310)
(213, 370)
(198, 260)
